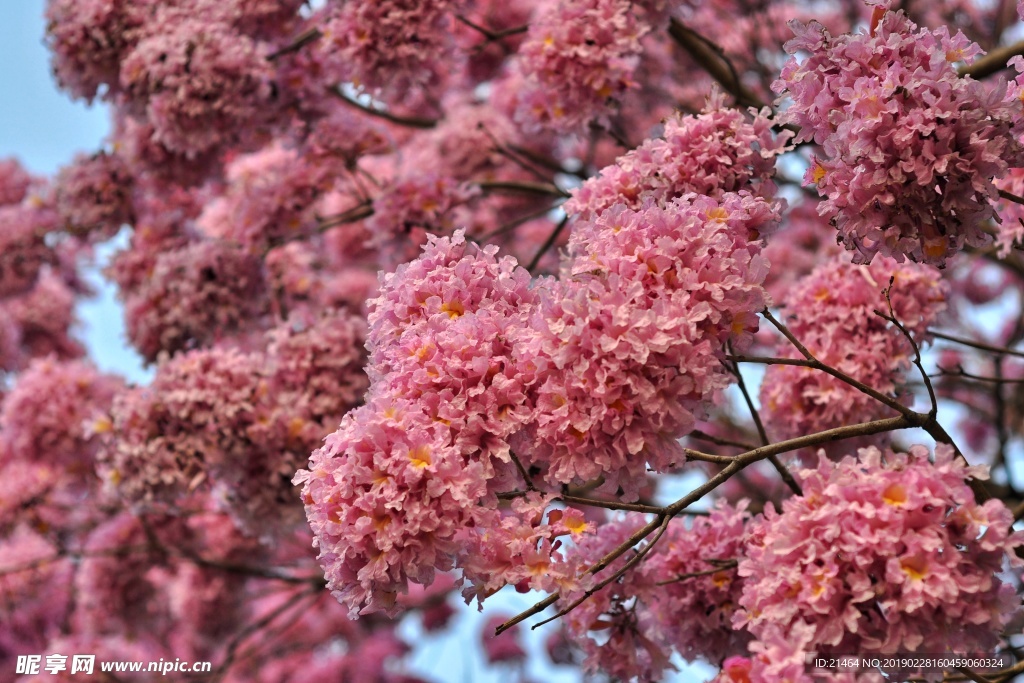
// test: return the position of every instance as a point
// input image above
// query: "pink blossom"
(43, 318)
(910, 147)
(15, 181)
(524, 547)
(720, 150)
(88, 40)
(193, 296)
(833, 315)
(577, 61)
(385, 497)
(35, 589)
(626, 353)
(410, 209)
(23, 250)
(882, 553)
(93, 195)
(268, 199)
(197, 81)
(394, 49)
(45, 418)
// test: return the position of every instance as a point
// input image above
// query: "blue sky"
(44, 129)
(38, 123)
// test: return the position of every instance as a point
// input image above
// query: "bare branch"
(547, 243)
(713, 60)
(981, 346)
(993, 62)
(723, 566)
(522, 187)
(408, 121)
(783, 471)
(299, 42)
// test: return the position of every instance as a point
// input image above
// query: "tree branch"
(712, 59)
(993, 62)
(408, 121)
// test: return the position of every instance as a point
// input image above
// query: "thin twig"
(713, 60)
(492, 36)
(976, 677)
(547, 243)
(737, 463)
(356, 213)
(933, 411)
(724, 566)
(718, 441)
(523, 187)
(708, 457)
(958, 371)
(408, 121)
(300, 41)
(1011, 197)
(783, 471)
(842, 376)
(615, 576)
(635, 538)
(522, 471)
(981, 346)
(516, 222)
(591, 502)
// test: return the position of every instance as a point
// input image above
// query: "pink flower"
(395, 49)
(46, 417)
(386, 496)
(15, 182)
(193, 296)
(910, 147)
(94, 195)
(268, 199)
(882, 553)
(720, 150)
(626, 353)
(199, 82)
(577, 60)
(833, 315)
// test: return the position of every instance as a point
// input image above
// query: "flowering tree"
(452, 296)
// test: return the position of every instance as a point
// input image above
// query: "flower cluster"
(240, 422)
(577, 61)
(910, 147)
(386, 496)
(41, 321)
(524, 548)
(200, 83)
(194, 295)
(627, 350)
(23, 249)
(15, 182)
(832, 311)
(440, 332)
(88, 40)
(396, 492)
(719, 150)
(673, 601)
(393, 48)
(93, 195)
(34, 589)
(886, 552)
(268, 199)
(411, 208)
(44, 418)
